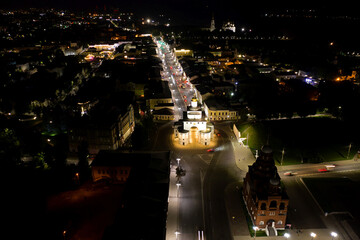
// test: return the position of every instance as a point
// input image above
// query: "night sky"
(195, 12)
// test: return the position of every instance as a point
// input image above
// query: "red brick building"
(266, 200)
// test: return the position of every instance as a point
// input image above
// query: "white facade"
(193, 129)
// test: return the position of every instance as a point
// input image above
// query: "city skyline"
(191, 12)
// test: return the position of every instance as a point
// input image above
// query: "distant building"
(212, 24)
(266, 200)
(229, 26)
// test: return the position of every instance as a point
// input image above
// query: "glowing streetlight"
(177, 234)
(333, 235)
(178, 184)
(255, 229)
(287, 235)
(313, 235)
(178, 161)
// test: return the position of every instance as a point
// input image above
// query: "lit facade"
(194, 128)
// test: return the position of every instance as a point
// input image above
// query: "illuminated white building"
(229, 26)
(194, 127)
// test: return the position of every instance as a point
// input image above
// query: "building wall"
(164, 117)
(118, 174)
(151, 103)
(184, 138)
(104, 138)
(261, 211)
(201, 125)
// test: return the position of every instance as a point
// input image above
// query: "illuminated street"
(212, 179)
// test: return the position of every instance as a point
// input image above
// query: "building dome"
(266, 149)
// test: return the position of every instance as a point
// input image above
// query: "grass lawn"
(308, 140)
(335, 194)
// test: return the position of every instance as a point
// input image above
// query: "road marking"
(206, 158)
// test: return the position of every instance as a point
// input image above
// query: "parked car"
(211, 150)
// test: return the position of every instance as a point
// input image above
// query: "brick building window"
(273, 204)
(263, 206)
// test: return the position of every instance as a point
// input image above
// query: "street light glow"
(334, 234)
(287, 235)
(313, 235)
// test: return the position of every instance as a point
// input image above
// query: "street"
(206, 200)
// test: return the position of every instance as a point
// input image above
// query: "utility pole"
(349, 151)
(282, 156)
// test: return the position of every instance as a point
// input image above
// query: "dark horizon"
(188, 12)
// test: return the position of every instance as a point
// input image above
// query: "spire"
(212, 24)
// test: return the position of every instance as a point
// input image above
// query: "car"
(330, 166)
(288, 173)
(323, 170)
(211, 150)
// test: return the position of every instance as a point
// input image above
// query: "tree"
(9, 148)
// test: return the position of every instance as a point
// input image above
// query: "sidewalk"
(173, 207)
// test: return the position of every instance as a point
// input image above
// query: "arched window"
(273, 204)
(282, 206)
(261, 223)
(279, 222)
(263, 206)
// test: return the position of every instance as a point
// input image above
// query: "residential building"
(103, 129)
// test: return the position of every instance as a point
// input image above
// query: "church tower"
(265, 198)
(212, 24)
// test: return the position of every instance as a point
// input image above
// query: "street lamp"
(178, 161)
(255, 229)
(333, 235)
(178, 184)
(287, 235)
(313, 235)
(282, 156)
(177, 233)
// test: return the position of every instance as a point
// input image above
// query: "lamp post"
(333, 235)
(313, 235)
(282, 156)
(178, 161)
(178, 184)
(177, 234)
(349, 151)
(286, 235)
(255, 229)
